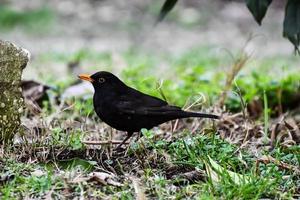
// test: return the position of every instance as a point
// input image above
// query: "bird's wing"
(138, 103)
(138, 107)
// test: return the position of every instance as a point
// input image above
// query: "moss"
(12, 62)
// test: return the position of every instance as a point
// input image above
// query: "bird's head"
(102, 79)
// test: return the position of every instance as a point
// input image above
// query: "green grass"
(29, 20)
(184, 153)
(157, 162)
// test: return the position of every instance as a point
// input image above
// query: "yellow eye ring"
(101, 80)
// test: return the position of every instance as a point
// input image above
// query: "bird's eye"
(101, 80)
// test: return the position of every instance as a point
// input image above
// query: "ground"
(252, 152)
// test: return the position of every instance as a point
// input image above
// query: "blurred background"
(192, 49)
(60, 31)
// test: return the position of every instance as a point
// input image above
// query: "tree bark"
(12, 62)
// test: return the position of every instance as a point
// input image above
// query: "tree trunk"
(12, 62)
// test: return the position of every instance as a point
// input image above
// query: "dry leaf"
(38, 173)
(34, 94)
(104, 178)
(291, 125)
(269, 159)
(139, 192)
(8, 176)
(99, 177)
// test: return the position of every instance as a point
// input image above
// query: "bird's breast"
(109, 114)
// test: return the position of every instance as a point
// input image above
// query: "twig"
(293, 131)
(266, 117)
(235, 69)
(275, 131)
(104, 142)
(239, 93)
(159, 88)
(279, 96)
(269, 159)
(274, 134)
(139, 191)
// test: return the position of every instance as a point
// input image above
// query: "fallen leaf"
(194, 176)
(291, 125)
(38, 173)
(139, 191)
(255, 108)
(5, 177)
(100, 177)
(269, 159)
(215, 172)
(34, 94)
(104, 178)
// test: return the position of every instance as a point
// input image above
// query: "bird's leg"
(129, 134)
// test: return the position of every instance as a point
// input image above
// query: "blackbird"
(127, 109)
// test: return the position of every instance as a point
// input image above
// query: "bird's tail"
(202, 115)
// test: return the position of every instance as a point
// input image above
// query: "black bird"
(127, 109)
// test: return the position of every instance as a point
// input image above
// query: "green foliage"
(31, 20)
(194, 80)
(31, 185)
(71, 139)
(39, 184)
(266, 116)
(193, 77)
(104, 58)
(75, 140)
(254, 85)
(258, 8)
(193, 151)
(291, 24)
(166, 8)
(188, 77)
(72, 164)
(23, 181)
(84, 107)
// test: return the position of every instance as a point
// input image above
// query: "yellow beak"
(85, 77)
